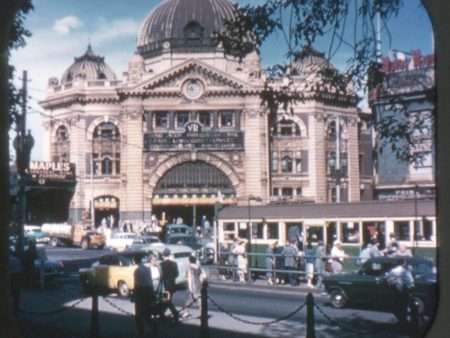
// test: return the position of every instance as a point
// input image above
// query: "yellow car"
(115, 271)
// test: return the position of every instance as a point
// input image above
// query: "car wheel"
(338, 299)
(123, 290)
(85, 244)
(420, 306)
(54, 242)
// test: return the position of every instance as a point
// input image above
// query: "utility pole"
(23, 144)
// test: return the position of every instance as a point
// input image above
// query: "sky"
(62, 30)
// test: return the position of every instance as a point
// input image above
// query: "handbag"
(162, 295)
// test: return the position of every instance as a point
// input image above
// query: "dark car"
(203, 251)
(368, 288)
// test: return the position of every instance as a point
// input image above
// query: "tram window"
(350, 232)
(425, 233)
(401, 230)
(258, 231)
(272, 230)
(228, 226)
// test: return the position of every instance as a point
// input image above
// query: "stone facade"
(185, 126)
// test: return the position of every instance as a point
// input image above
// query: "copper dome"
(183, 23)
(89, 66)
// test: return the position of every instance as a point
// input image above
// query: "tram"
(412, 222)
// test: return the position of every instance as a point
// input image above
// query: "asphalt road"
(246, 309)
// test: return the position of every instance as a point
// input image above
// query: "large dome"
(90, 67)
(183, 25)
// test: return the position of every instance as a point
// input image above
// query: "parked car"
(203, 249)
(120, 241)
(115, 271)
(368, 288)
(142, 241)
(177, 229)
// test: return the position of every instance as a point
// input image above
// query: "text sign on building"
(54, 171)
(211, 140)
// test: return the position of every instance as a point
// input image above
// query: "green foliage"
(301, 24)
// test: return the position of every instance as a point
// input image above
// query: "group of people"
(155, 286)
(285, 264)
(394, 249)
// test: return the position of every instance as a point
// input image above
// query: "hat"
(320, 243)
(166, 252)
(337, 242)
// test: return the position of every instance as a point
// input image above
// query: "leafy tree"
(349, 25)
(12, 35)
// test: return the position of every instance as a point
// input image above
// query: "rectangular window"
(350, 232)
(272, 230)
(298, 165)
(298, 191)
(274, 162)
(401, 230)
(286, 165)
(182, 119)
(286, 130)
(205, 119)
(226, 119)
(161, 120)
(275, 191)
(287, 192)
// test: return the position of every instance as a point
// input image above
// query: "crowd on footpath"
(154, 289)
(293, 262)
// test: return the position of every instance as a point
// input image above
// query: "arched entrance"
(106, 208)
(191, 190)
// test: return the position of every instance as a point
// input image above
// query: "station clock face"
(193, 89)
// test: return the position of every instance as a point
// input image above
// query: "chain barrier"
(43, 313)
(331, 320)
(105, 298)
(257, 323)
(117, 307)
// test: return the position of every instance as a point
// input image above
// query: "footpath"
(52, 313)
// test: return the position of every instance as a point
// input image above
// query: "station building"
(184, 127)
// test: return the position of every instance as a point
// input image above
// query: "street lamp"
(23, 145)
(337, 172)
(250, 228)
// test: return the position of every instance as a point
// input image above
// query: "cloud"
(109, 30)
(66, 24)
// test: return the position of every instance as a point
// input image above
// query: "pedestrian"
(402, 251)
(319, 263)
(364, 255)
(337, 256)
(194, 285)
(144, 298)
(290, 254)
(241, 260)
(279, 263)
(392, 247)
(30, 255)
(170, 272)
(270, 261)
(401, 278)
(206, 227)
(15, 276)
(232, 258)
(156, 271)
(310, 253)
(375, 249)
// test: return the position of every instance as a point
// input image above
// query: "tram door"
(331, 234)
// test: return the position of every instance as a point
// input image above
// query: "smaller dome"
(310, 61)
(89, 66)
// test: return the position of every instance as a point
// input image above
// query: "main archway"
(190, 190)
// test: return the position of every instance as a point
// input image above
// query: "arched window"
(61, 144)
(286, 164)
(287, 128)
(193, 30)
(106, 149)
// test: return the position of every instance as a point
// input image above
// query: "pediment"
(173, 80)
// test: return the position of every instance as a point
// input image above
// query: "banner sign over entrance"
(210, 140)
(53, 171)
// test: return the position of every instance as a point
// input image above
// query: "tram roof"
(366, 209)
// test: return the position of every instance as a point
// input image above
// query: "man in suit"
(170, 272)
(144, 297)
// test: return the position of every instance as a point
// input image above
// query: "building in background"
(407, 95)
(185, 125)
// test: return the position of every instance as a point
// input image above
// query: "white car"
(120, 241)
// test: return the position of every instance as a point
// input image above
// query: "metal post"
(92, 185)
(250, 234)
(415, 222)
(310, 329)
(338, 160)
(95, 320)
(204, 327)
